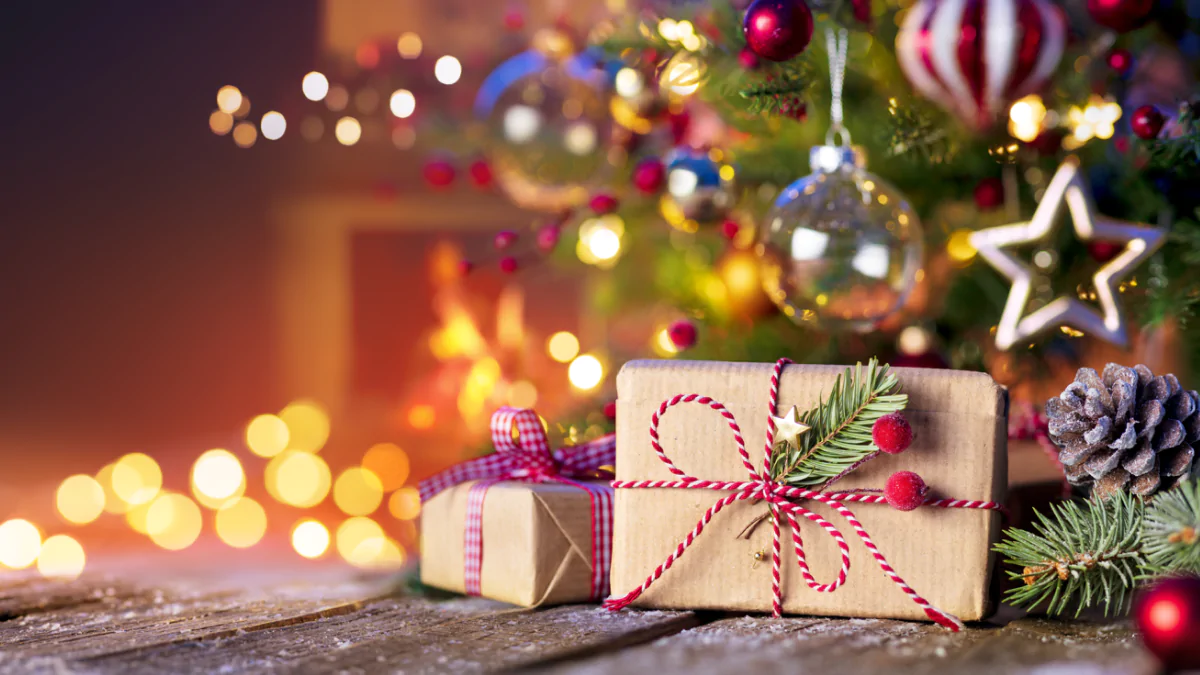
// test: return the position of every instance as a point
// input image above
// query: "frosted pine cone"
(1125, 430)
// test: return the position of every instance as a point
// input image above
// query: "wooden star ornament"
(788, 427)
(1068, 190)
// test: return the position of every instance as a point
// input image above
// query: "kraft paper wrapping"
(537, 542)
(959, 420)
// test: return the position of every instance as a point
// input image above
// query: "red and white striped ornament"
(976, 57)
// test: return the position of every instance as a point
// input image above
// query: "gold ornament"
(788, 427)
(1066, 189)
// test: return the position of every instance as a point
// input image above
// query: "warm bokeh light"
(273, 125)
(447, 70)
(242, 523)
(80, 499)
(663, 345)
(136, 478)
(1025, 118)
(217, 477)
(585, 372)
(267, 435)
(310, 538)
(959, 246)
(422, 416)
(135, 517)
(409, 45)
(357, 492)
(307, 424)
(229, 99)
(347, 130)
(522, 394)
(243, 109)
(20, 543)
(173, 521)
(220, 122)
(402, 103)
(315, 86)
(600, 240)
(61, 557)
(389, 463)
(405, 503)
(563, 346)
(359, 540)
(112, 503)
(244, 135)
(299, 479)
(337, 99)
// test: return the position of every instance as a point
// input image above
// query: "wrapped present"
(523, 525)
(706, 520)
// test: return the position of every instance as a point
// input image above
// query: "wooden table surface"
(108, 625)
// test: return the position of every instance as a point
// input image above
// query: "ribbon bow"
(525, 456)
(782, 500)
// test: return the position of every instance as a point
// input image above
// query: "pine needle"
(1171, 534)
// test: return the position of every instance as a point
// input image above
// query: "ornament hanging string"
(783, 501)
(836, 44)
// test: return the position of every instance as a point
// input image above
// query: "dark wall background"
(134, 265)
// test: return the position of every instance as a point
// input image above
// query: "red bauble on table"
(1147, 122)
(648, 175)
(905, 491)
(1120, 15)
(778, 30)
(1168, 617)
(682, 334)
(989, 194)
(892, 433)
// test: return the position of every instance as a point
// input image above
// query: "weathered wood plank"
(412, 636)
(22, 595)
(763, 646)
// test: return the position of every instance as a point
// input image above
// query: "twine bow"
(525, 456)
(782, 501)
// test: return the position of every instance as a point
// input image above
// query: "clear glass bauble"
(840, 245)
(548, 126)
(699, 190)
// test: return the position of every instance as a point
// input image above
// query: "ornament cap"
(830, 158)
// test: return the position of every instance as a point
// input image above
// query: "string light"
(357, 492)
(585, 372)
(136, 478)
(61, 557)
(220, 122)
(347, 130)
(241, 523)
(447, 70)
(359, 540)
(409, 45)
(310, 538)
(959, 246)
(307, 424)
(562, 346)
(405, 504)
(135, 517)
(600, 240)
(299, 479)
(217, 478)
(315, 86)
(267, 435)
(244, 135)
(402, 103)
(388, 463)
(20, 543)
(173, 521)
(80, 499)
(229, 99)
(273, 125)
(1025, 118)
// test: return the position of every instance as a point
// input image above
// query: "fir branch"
(1082, 555)
(1179, 152)
(840, 433)
(915, 133)
(1171, 533)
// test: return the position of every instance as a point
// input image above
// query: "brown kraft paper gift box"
(537, 542)
(959, 421)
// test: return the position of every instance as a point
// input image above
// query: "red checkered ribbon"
(526, 457)
(784, 503)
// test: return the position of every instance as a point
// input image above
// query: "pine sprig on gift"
(840, 427)
(1171, 532)
(1083, 554)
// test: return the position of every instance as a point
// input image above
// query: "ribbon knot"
(784, 503)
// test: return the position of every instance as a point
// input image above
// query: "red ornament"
(504, 239)
(682, 334)
(649, 175)
(748, 59)
(1103, 251)
(508, 265)
(1147, 122)
(465, 267)
(905, 491)
(1168, 616)
(862, 11)
(680, 122)
(974, 63)
(603, 203)
(610, 410)
(1120, 60)
(989, 194)
(547, 238)
(1120, 15)
(729, 229)
(892, 433)
(481, 173)
(439, 173)
(778, 30)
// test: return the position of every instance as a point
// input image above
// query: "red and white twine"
(784, 503)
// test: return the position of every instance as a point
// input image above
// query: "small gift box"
(703, 522)
(523, 525)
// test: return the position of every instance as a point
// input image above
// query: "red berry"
(481, 173)
(892, 433)
(465, 267)
(1147, 122)
(1120, 60)
(504, 239)
(439, 173)
(905, 491)
(989, 194)
(648, 175)
(748, 59)
(508, 265)
(610, 410)
(778, 30)
(1168, 618)
(547, 238)
(682, 334)
(603, 203)
(730, 229)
